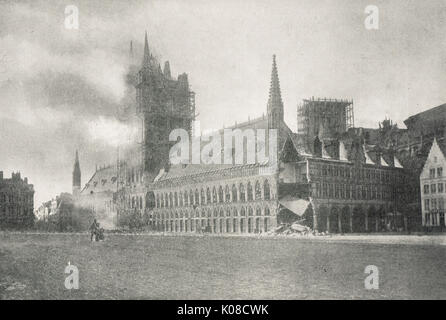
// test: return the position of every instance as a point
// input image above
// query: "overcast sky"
(60, 89)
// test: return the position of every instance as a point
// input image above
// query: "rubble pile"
(295, 229)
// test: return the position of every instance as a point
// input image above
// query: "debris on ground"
(296, 229)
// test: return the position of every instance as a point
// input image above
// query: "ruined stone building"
(225, 198)
(98, 194)
(16, 202)
(338, 177)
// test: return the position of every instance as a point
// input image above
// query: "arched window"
(222, 213)
(227, 194)
(214, 195)
(203, 198)
(242, 212)
(242, 193)
(220, 194)
(170, 200)
(176, 199)
(249, 191)
(150, 200)
(266, 190)
(235, 212)
(191, 198)
(267, 211)
(133, 202)
(162, 200)
(258, 191)
(203, 213)
(228, 212)
(197, 197)
(250, 211)
(186, 198)
(258, 212)
(181, 199)
(158, 201)
(234, 193)
(208, 195)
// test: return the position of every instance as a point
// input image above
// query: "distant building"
(432, 186)
(16, 202)
(47, 209)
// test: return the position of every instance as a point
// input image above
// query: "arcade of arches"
(238, 206)
(339, 218)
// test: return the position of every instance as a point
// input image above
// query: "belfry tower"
(76, 176)
(164, 104)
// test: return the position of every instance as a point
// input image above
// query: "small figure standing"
(93, 229)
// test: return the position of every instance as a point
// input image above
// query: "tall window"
(258, 191)
(234, 193)
(432, 173)
(426, 189)
(440, 187)
(208, 195)
(220, 194)
(266, 190)
(214, 195)
(227, 194)
(433, 188)
(203, 198)
(197, 197)
(439, 172)
(249, 187)
(426, 204)
(242, 193)
(186, 198)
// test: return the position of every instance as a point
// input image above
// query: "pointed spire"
(146, 58)
(131, 53)
(275, 97)
(167, 73)
(76, 174)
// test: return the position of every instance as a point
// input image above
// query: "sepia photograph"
(209, 150)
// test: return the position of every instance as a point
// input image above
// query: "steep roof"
(427, 117)
(103, 180)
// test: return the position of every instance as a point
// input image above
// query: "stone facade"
(432, 186)
(16, 202)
